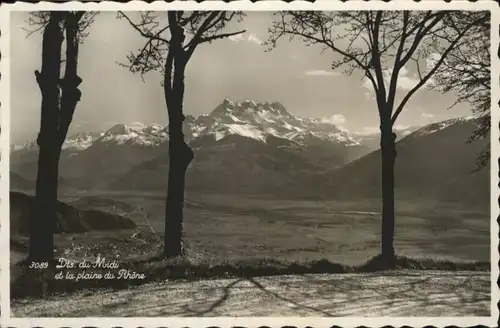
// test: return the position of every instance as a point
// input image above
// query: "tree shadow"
(276, 295)
(382, 294)
(394, 296)
(226, 291)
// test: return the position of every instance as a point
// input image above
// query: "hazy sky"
(298, 76)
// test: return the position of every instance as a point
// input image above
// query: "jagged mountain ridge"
(259, 120)
(243, 138)
(255, 120)
(106, 155)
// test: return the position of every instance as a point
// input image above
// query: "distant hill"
(23, 158)
(435, 162)
(69, 219)
(232, 164)
(20, 183)
(17, 182)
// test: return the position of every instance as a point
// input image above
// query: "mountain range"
(436, 162)
(260, 147)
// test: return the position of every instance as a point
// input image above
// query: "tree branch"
(377, 65)
(421, 33)
(146, 34)
(202, 29)
(220, 36)
(396, 68)
(430, 73)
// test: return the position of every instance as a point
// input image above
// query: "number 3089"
(39, 265)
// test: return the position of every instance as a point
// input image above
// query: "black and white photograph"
(197, 161)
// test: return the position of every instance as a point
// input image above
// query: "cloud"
(79, 124)
(369, 95)
(252, 38)
(405, 80)
(369, 130)
(336, 119)
(430, 62)
(237, 37)
(400, 127)
(318, 72)
(427, 115)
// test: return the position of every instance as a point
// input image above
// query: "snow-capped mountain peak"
(75, 142)
(248, 110)
(119, 129)
(248, 119)
(258, 120)
(435, 127)
(135, 134)
(79, 141)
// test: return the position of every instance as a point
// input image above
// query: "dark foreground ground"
(396, 293)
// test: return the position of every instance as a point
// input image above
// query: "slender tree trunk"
(43, 217)
(180, 155)
(388, 157)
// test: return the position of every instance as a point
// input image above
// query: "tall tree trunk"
(69, 84)
(388, 157)
(180, 155)
(43, 217)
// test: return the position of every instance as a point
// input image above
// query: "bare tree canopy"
(198, 27)
(381, 44)
(377, 42)
(39, 19)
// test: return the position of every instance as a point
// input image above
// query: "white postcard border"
(244, 321)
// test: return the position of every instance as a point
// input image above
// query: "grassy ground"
(236, 228)
(232, 236)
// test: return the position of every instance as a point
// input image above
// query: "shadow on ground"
(395, 293)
